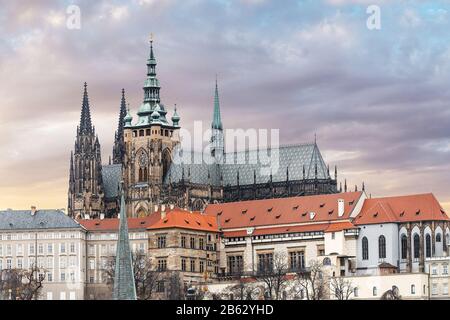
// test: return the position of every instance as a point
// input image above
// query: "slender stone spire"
(124, 286)
(119, 144)
(85, 119)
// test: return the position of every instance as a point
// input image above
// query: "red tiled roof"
(175, 218)
(283, 210)
(419, 207)
(311, 227)
(179, 218)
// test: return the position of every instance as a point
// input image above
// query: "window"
(50, 248)
(438, 237)
(63, 276)
(91, 250)
(404, 245)
(161, 241)
(19, 249)
(434, 270)
(8, 264)
(381, 247)
(374, 291)
(235, 264)
(49, 295)
(365, 249)
(265, 262)
(202, 266)
(62, 248)
(162, 264)
(326, 261)
(91, 264)
(91, 279)
(413, 289)
(72, 295)
(416, 246)
(31, 249)
(72, 247)
(434, 289)
(192, 265)
(201, 244)
(333, 235)
(19, 263)
(183, 241)
(192, 243)
(297, 260)
(62, 262)
(445, 269)
(183, 264)
(160, 287)
(445, 288)
(62, 296)
(428, 245)
(49, 277)
(355, 292)
(8, 250)
(40, 248)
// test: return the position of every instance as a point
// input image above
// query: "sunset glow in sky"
(378, 100)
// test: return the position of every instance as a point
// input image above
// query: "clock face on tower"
(143, 160)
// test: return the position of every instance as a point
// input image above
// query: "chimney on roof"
(341, 207)
(163, 212)
(33, 210)
(102, 216)
(86, 216)
(171, 206)
(156, 208)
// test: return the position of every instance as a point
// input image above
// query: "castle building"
(148, 157)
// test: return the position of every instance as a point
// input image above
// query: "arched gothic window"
(438, 237)
(428, 245)
(381, 247)
(365, 249)
(141, 175)
(416, 246)
(404, 244)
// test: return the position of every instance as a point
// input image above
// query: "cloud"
(377, 100)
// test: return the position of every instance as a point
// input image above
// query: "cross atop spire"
(217, 120)
(85, 119)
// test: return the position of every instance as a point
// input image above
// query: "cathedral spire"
(119, 145)
(217, 141)
(217, 121)
(85, 120)
(151, 85)
(124, 287)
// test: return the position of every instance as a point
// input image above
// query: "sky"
(377, 100)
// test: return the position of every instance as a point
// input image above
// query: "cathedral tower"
(148, 147)
(85, 197)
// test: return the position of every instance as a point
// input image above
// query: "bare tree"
(21, 284)
(274, 275)
(175, 291)
(342, 288)
(313, 281)
(146, 277)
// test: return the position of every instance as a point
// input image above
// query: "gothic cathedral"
(144, 155)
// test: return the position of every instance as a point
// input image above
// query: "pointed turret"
(124, 286)
(175, 118)
(85, 119)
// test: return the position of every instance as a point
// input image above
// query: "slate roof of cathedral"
(111, 175)
(409, 208)
(42, 219)
(249, 163)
